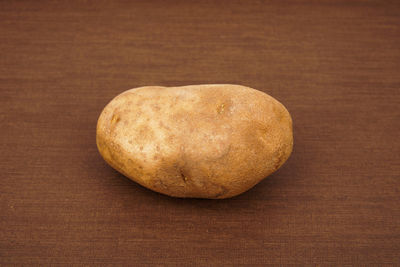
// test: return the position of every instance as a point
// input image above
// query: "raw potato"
(199, 141)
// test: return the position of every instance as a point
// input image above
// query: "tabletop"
(335, 65)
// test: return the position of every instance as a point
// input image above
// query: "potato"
(199, 141)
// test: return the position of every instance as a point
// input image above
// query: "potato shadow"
(132, 192)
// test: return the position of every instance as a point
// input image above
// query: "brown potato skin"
(198, 141)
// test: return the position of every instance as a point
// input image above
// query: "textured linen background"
(334, 64)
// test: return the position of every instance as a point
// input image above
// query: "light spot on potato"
(221, 108)
(183, 176)
(115, 118)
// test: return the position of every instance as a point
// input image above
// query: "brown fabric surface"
(334, 64)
